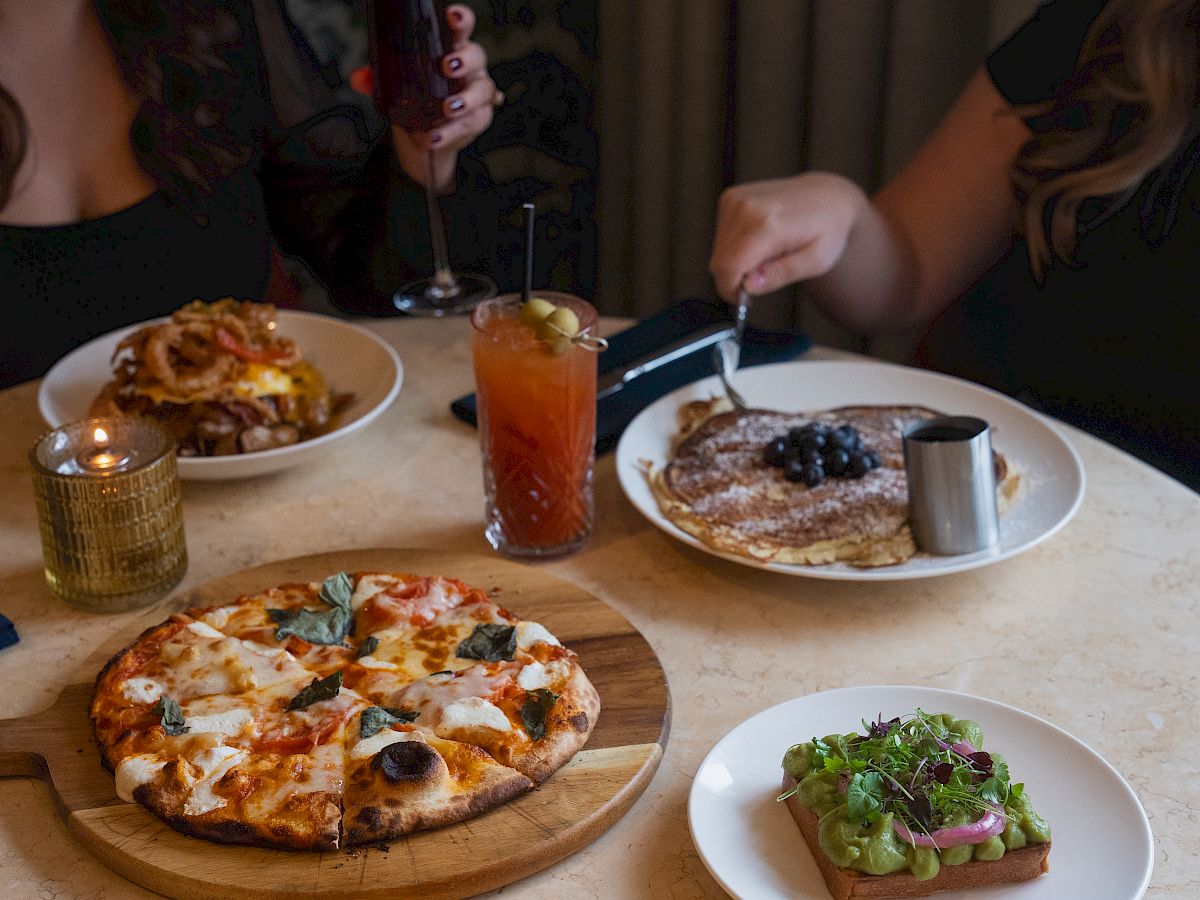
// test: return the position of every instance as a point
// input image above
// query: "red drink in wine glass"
(408, 39)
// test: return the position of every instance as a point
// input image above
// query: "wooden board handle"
(16, 759)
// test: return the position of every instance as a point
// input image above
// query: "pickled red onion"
(988, 825)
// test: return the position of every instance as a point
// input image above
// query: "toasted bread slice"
(847, 884)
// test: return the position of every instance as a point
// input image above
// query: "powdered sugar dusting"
(719, 473)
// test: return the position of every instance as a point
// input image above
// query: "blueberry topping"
(812, 457)
(774, 452)
(813, 440)
(836, 461)
(815, 451)
(859, 465)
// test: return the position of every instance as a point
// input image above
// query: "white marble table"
(1097, 630)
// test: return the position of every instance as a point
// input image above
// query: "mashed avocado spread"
(913, 793)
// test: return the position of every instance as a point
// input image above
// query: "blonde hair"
(1124, 111)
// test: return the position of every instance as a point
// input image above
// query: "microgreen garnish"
(926, 770)
(323, 626)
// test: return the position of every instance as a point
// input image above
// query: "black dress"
(1110, 345)
(311, 178)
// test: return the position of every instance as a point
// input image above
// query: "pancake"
(717, 487)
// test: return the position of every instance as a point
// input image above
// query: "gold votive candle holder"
(110, 512)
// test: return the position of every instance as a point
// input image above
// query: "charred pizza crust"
(248, 723)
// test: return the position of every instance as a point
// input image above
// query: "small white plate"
(351, 358)
(1050, 490)
(1101, 840)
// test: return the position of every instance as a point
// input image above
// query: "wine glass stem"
(443, 278)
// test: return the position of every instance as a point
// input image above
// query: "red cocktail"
(537, 425)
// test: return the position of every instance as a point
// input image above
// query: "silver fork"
(728, 353)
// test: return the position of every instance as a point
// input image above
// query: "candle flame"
(101, 438)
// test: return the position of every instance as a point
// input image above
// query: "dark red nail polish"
(435, 138)
(457, 104)
(455, 64)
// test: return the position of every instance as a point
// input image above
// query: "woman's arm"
(900, 257)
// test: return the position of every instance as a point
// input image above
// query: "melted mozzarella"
(529, 633)
(533, 676)
(203, 629)
(219, 616)
(231, 722)
(142, 690)
(469, 715)
(368, 747)
(368, 586)
(371, 662)
(134, 771)
(213, 765)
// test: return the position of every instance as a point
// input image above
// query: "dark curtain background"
(626, 118)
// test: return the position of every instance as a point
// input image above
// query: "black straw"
(527, 288)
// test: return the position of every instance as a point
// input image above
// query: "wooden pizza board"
(521, 837)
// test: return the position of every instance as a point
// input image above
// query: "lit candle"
(101, 457)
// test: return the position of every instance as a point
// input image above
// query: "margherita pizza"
(312, 716)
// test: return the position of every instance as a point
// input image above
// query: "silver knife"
(614, 381)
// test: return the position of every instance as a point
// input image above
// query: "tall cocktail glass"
(536, 403)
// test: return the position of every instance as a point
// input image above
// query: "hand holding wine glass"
(431, 82)
(466, 114)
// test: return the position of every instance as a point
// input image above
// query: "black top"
(1111, 345)
(314, 180)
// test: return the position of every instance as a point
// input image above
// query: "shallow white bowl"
(351, 358)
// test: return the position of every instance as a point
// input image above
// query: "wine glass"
(408, 39)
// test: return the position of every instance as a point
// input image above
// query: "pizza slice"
(311, 621)
(180, 659)
(262, 767)
(401, 777)
(531, 714)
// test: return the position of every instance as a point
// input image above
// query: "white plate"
(1102, 845)
(1051, 486)
(351, 358)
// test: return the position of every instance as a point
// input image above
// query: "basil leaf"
(337, 590)
(489, 642)
(367, 647)
(864, 797)
(535, 709)
(170, 716)
(317, 690)
(376, 718)
(328, 626)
